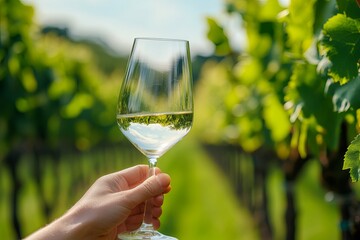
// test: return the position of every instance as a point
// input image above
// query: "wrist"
(65, 227)
(71, 227)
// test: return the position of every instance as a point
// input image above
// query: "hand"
(113, 204)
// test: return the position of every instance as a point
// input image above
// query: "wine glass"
(155, 106)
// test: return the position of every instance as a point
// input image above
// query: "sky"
(118, 22)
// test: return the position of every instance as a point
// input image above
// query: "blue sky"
(118, 22)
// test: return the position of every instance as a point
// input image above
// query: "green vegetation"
(272, 125)
(182, 120)
(351, 159)
(201, 205)
(288, 97)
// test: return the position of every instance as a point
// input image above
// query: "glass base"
(145, 232)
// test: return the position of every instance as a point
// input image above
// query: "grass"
(202, 204)
(5, 224)
(317, 219)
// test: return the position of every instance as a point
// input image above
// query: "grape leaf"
(323, 11)
(350, 7)
(344, 96)
(341, 44)
(306, 91)
(352, 159)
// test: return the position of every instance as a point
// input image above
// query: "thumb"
(151, 187)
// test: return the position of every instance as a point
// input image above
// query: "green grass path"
(202, 204)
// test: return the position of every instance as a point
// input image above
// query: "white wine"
(153, 134)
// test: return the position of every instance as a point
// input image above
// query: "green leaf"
(341, 44)
(342, 28)
(306, 91)
(324, 9)
(349, 7)
(299, 28)
(352, 159)
(79, 103)
(270, 10)
(218, 37)
(275, 116)
(344, 97)
(28, 80)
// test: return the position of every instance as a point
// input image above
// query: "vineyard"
(290, 97)
(56, 97)
(286, 101)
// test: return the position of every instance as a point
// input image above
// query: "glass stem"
(147, 222)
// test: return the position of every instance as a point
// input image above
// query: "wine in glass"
(155, 106)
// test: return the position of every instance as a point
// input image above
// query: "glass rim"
(161, 39)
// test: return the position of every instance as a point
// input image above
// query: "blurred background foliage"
(273, 122)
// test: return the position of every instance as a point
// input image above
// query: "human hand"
(113, 204)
